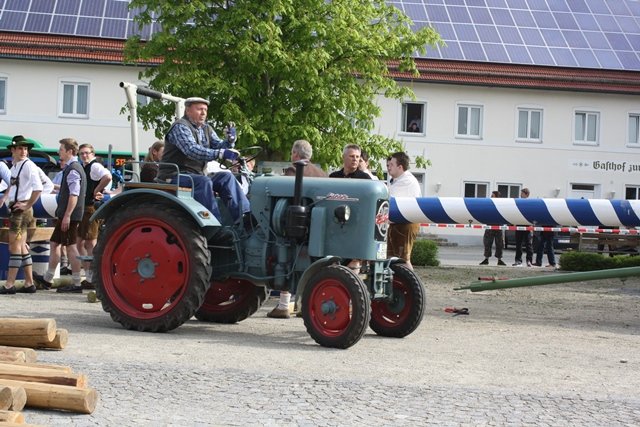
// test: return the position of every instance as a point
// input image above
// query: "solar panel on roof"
(12, 21)
(67, 7)
(92, 8)
(496, 52)
(581, 33)
(563, 57)
(45, 6)
(37, 23)
(541, 56)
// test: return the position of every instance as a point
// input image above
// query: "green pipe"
(549, 280)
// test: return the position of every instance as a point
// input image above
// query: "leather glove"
(229, 154)
(230, 133)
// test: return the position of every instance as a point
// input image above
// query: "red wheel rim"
(226, 296)
(145, 268)
(330, 307)
(395, 312)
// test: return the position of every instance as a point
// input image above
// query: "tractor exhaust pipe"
(297, 215)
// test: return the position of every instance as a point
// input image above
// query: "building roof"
(544, 44)
(596, 34)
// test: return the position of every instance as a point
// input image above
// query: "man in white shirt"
(98, 182)
(403, 184)
(25, 189)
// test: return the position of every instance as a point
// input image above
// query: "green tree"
(281, 69)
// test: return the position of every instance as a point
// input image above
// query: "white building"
(538, 94)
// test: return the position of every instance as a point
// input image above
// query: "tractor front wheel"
(152, 266)
(336, 307)
(402, 313)
(231, 301)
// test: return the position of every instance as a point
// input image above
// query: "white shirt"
(406, 185)
(47, 184)
(29, 181)
(96, 173)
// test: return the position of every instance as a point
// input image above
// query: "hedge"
(425, 252)
(589, 261)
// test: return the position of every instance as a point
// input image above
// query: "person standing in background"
(69, 214)
(403, 184)
(25, 189)
(98, 179)
(523, 238)
(491, 236)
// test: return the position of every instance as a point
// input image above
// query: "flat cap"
(20, 141)
(195, 100)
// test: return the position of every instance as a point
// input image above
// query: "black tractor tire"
(336, 307)
(403, 313)
(151, 266)
(231, 301)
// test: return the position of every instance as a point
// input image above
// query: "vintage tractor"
(158, 261)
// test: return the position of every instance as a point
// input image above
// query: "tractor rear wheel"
(336, 307)
(152, 267)
(231, 301)
(401, 314)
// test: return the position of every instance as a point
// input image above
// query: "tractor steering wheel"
(246, 155)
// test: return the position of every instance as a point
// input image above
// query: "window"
(634, 129)
(469, 121)
(529, 124)
(3, 95)
(632, 192)
(413, 119)
(476, 189)
(586, 127)
(509, 190)
(75, 100)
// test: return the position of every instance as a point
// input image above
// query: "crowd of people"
(524, 240)
(190, 146)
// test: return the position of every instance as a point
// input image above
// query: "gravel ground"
(559, 355)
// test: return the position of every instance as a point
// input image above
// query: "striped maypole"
(543, 212)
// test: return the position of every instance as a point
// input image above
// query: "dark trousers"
(225, 185)
(491, 236)
(546, 243)
(524, 238)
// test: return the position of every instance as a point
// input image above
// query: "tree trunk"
(58, 342)
(19, 398)
(28, 354)
(15, 372)
(52, 396)
(11, 417)
(28, 327)
(6, 398)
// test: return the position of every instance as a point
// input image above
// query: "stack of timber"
(26, 383)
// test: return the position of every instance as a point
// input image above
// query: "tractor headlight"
(342, 214)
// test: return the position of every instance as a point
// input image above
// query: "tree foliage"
(281, 69)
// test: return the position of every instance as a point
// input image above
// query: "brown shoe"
(279, 313)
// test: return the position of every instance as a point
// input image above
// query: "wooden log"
(12, 417)
(30, 355)
(60, 340)
(61, 368)
(12, 356)
(6, 398)
(19, 398)
(41, 375)
(29, 327)
(32, 341)
(53, 396)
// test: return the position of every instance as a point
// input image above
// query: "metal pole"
(552, 279)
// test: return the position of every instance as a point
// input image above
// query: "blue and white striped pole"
(548, 212)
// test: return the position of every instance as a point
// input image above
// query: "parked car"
(561, 240)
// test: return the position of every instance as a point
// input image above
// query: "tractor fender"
(202, 216)
(312, 270)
